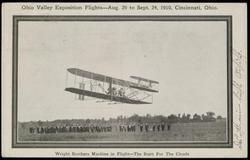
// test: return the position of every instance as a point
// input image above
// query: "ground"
(196, 131)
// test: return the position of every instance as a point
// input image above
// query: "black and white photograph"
(122, 81)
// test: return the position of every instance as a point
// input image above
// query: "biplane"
(109, 89)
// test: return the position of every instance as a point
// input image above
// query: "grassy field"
(197, 131)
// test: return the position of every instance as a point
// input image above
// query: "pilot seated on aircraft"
(108, 91)
(114, 92)
(121, 92)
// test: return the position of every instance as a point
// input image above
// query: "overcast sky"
(187, 58)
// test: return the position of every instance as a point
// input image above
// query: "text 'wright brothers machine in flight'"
(112, 90)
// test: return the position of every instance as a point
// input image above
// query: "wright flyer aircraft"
(112, 90)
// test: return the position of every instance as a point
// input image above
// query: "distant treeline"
(180, 118)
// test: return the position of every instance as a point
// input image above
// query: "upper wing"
(100, 77)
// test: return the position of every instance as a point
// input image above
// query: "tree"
(183, 117)
(172, 118)
(219, 117)
(196, 118)
(39, 123)
(179, 115)
(119, 118)
(210, 116)
(188, 117)
(134, 118)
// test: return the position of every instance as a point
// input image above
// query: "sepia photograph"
(122, 80)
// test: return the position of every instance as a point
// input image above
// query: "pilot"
(113, 91)
(108, 92)
(121, 92)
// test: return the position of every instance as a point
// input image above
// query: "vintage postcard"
(124, 80)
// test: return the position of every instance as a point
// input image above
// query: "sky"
(188, 59)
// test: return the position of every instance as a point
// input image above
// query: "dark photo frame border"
(23, 18)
